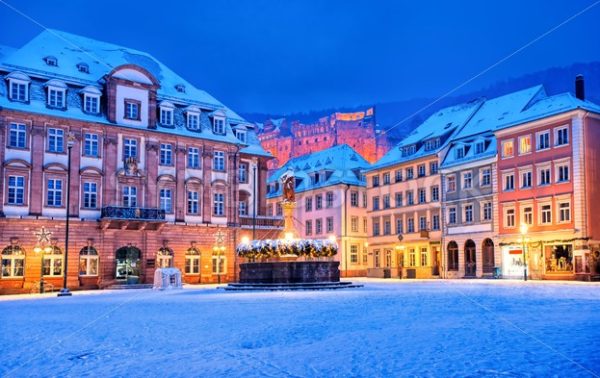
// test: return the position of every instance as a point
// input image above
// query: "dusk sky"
(287, 56)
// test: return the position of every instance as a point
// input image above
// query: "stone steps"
(290, 286)
(128, 287)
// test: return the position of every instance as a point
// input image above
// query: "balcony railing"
(262, 221)
(133, 213)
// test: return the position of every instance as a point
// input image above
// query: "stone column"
(207, 154)
(36, 181)
(180, 194)
(109, 185)
(152, 148)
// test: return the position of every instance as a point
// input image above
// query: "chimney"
(579, 87)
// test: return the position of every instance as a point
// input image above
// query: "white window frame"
(483, 173)
(17, 189)
(468, 175)
(523, 216)
(54, 192)
(468, 207)
(167, 116)
(193, 202)
(556, 131)
(193, 125)
(505, 176)
(56, 140)
(17, 82)
(559, 211)
(504, 142)
(219, 161)
(129, 196)
(91, 145)
(219, 125)
(537, 140)
(558, 164)
(452, 211)
(18, 130)
(484, 207)
(545, 168)
(449, 179)
(130, 148)
(521, 138)
(193, 158)
(219, 204)
(505, 214)
(166, 200)
(166, 154)
(89, 195)
(541, 213)
(241, 135)
(53, 97)
(94, 103)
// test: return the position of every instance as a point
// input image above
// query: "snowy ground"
(388, 328)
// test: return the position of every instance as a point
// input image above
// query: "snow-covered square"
(387, 328)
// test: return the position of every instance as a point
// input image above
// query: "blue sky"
(286, 56)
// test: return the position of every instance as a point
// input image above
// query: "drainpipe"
(235, 210)
(345, 233)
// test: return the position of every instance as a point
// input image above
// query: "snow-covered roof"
(339, 164)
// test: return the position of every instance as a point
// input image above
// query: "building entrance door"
(487, 254)
(435, 255)
(128, 264)
(470, 262)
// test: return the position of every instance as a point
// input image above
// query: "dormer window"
(460, 152)
(91, 99)
(410, 150)
(180, 88)
(193, 117)
(83, 67)
(241, 135)
(219, 126)
(132, 110)
(18, 86)
(479, 147)
(166, 116)
(51, 61)
(432, 144)
(57, 94)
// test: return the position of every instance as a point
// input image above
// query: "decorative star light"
(43, 235)
(220, 237)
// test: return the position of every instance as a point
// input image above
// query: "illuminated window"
(524, 144)
(508, 149)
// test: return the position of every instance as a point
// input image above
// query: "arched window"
(88, 261)
(52, 265)
(164, 257)
(192, 261)
(452, 255)
(13, 261)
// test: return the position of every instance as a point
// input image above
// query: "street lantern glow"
(245, 240)
(332, 238)
(524, 229)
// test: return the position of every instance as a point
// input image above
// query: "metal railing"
(138, 213)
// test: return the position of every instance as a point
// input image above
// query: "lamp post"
(64, 292)
(219, 250)
(523, 230)
(41, 247)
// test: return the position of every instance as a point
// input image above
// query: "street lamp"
(64, 292)
(523, 229)
(41, 249)
(218, 251)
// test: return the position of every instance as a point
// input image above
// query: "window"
(459, 153)
(219, 161)
(164, 257)
(56, 97)
(528, 215)
(376, 203)
(166, 116)
(219, 264)
(421, 170)
(433, 168)
(278, 210)
(452, 215)
(166, 154)
(308, 204)
(329, 199)
(193, 158)
(129, 148)
(354, 199)
(166, 200)
(564, 212)
(90, 145)
(410, 199)
(219, 126)
(435, 193)
(56, 138)
(479, 147)
(509, 182)
(399, 226)
(243, 208)
(544, 176)
(409, 173)
(509, 217)
(562, 172)
(398, 176)
(219, 204)
(192, 261)
(318, 226)
(524, 144)
(308, 227)
(318, 201)
(412, 257)
(51, 61)
(376, 258)
(486, 177)
(432, 144)
(526, 179)
(354, 224)
(386, 201)
(387, 227)
(452, 256)
(468, 213)
(329, 224)
(17, 135)
(543, 140)
(243, 172)
(451, 184)
(193, 121)
(561, 136)
(423, 256)
(52, 263)
(410, 225)
(132, 110)
(487, 211)
(88, 261)
(375, 227)
(545, 214)
(18, 90)
(192, 202)
(90, 195)
(422, 195)
(422, 223)
(467, 180)
(241, 135)
(365, 228)
(364, 200)
(435, 222)
(13, 261)
(398, 199)
(83, 67)
(16, 190)
(354, 254)
(508, 149)
(129, 196)
(54, 193)
(91, 104)
(375, 181)
(386, 178)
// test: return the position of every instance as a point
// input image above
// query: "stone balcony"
(132, 218)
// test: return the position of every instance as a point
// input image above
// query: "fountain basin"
(289, 272)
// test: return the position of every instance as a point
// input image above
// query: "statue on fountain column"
(288, 182)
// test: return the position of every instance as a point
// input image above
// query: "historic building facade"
(330, 202)
(159, 172)
(358, 130)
